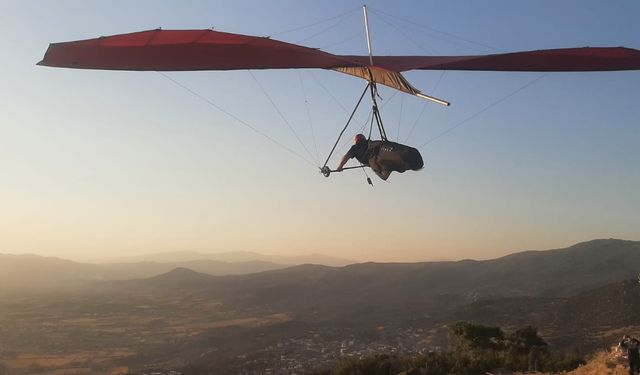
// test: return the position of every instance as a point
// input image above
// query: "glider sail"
(185, 50)
(190, 50)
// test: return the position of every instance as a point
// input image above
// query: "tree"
(475, 348)
(468, 337)
(525, 350)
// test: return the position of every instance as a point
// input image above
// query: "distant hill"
(24, 273)
(123, 271)
(176, 279)
(613, 305)
(374, 286)
(28, 273)
(563, 272)
(236, 256)
(432, 289)
(584, 296)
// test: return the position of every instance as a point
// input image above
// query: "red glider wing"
(548, 60)
(174, 50)
(187, 50)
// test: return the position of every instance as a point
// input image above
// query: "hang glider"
(191, 50)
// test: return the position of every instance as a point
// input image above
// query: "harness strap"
(376, 112)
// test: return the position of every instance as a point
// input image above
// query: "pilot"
(383, 157)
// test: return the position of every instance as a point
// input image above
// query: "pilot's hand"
(339, 169)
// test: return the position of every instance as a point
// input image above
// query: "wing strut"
(325, 170)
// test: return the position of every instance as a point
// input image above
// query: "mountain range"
(210, 313)
(551, 273)
(234, 257)
(35, 273)
(371, 292)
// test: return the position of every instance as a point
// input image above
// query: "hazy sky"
(96, 163)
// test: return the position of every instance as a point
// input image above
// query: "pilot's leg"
(379, 167)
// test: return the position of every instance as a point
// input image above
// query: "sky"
(99, 164)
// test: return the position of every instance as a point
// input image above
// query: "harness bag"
(395, 157)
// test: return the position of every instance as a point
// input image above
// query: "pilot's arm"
(344, 161)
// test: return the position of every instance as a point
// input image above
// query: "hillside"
(588, 320)
(33, 273)
(235, 257)
(317, 314)
(432, 290)
(123, 271)
(178, 279)
(550, 274)
(28, 273)
(563, 272)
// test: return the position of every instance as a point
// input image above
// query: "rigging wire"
(376, 111)
(370, 125)
(347, 39)
(409, 38)
(488, 107)
(325, 29)
(329, 93)
(349, 12)
(347, 124)
(306, 106)
(281, 114)
(239, 120)
(347, 141)
(371, 117)
(400, 117)
(340, 18)
(360, 124)
(424, 106)
(444, 33)
(360, 130)
(395, 92)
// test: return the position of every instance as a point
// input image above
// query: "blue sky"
(98, 164)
